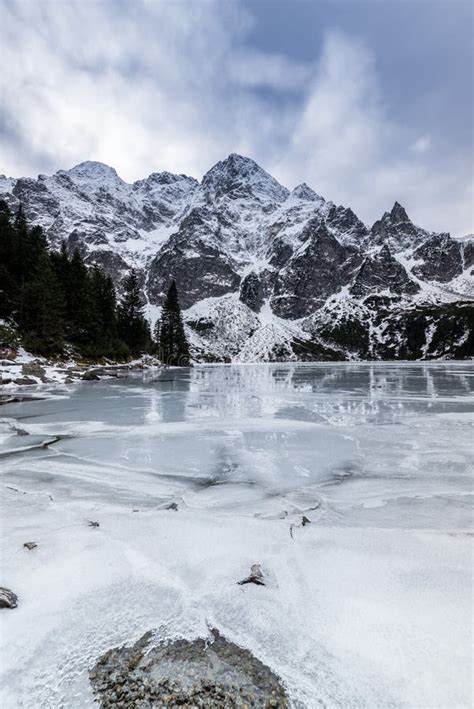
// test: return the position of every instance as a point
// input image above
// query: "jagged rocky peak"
(305, 192)
(348, 226)
(241, 177)
(398, 214)
(396, 229)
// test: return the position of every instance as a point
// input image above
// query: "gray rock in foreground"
(8, 599)
(212, 673)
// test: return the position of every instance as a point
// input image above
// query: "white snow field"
(369, 605)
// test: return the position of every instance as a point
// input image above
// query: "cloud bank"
(149, 86)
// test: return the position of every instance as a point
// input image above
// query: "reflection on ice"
(378, 457)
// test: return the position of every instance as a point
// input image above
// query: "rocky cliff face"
(264, 273)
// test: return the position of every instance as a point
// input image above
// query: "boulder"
(33, 369)
(90, 376)
(207, 672)
(255, 576)
(8, 599)
(25, 381)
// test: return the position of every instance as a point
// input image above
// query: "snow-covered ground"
(370, 605)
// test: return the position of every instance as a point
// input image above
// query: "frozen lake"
(370, 605)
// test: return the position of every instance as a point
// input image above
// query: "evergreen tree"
(42, 322)
(133, 327)
(173, 345)
(54, 298)
(103, 329)
(8, 281)
(78, 301)
(61, 262)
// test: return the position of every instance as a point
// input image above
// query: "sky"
(367, 101)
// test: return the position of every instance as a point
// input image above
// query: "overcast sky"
(368, 101)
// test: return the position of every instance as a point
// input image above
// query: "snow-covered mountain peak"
(91, 171)
(303, 191)
(167, 178)
(251, 260)
(238, 176)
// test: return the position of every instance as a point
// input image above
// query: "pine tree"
(173, 346)
(78, 301)
(103, 330)
(53, 297)
(42, 322)
(8, 245)
(133, 327)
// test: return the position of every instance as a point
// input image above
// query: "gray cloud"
(149, 85)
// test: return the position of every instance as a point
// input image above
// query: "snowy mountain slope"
(264, 272)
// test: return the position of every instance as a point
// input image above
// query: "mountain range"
(264, 273)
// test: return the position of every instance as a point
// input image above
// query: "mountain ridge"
(300, 276)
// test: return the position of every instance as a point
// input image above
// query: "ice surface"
(370, 605)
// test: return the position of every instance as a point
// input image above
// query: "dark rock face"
(469, 254)
(383, 272)
(200, 271)
(193, 258)
(317, 270)
(280, 253)
(111, 262)
(215, 674)
(442, 259)
(252, 292)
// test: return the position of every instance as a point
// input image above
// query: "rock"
(30, 545)
(321, 266)
(6, 380)
(440, 259)
(8, 599)
(33, 369)
(256, 576)
(396, 230)
(93, 524)
(207, 672)
(172, 506)
(90, 376)
(305, 521)
(25, 381)
(252, 292)
(200, 268)
(383, 272)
